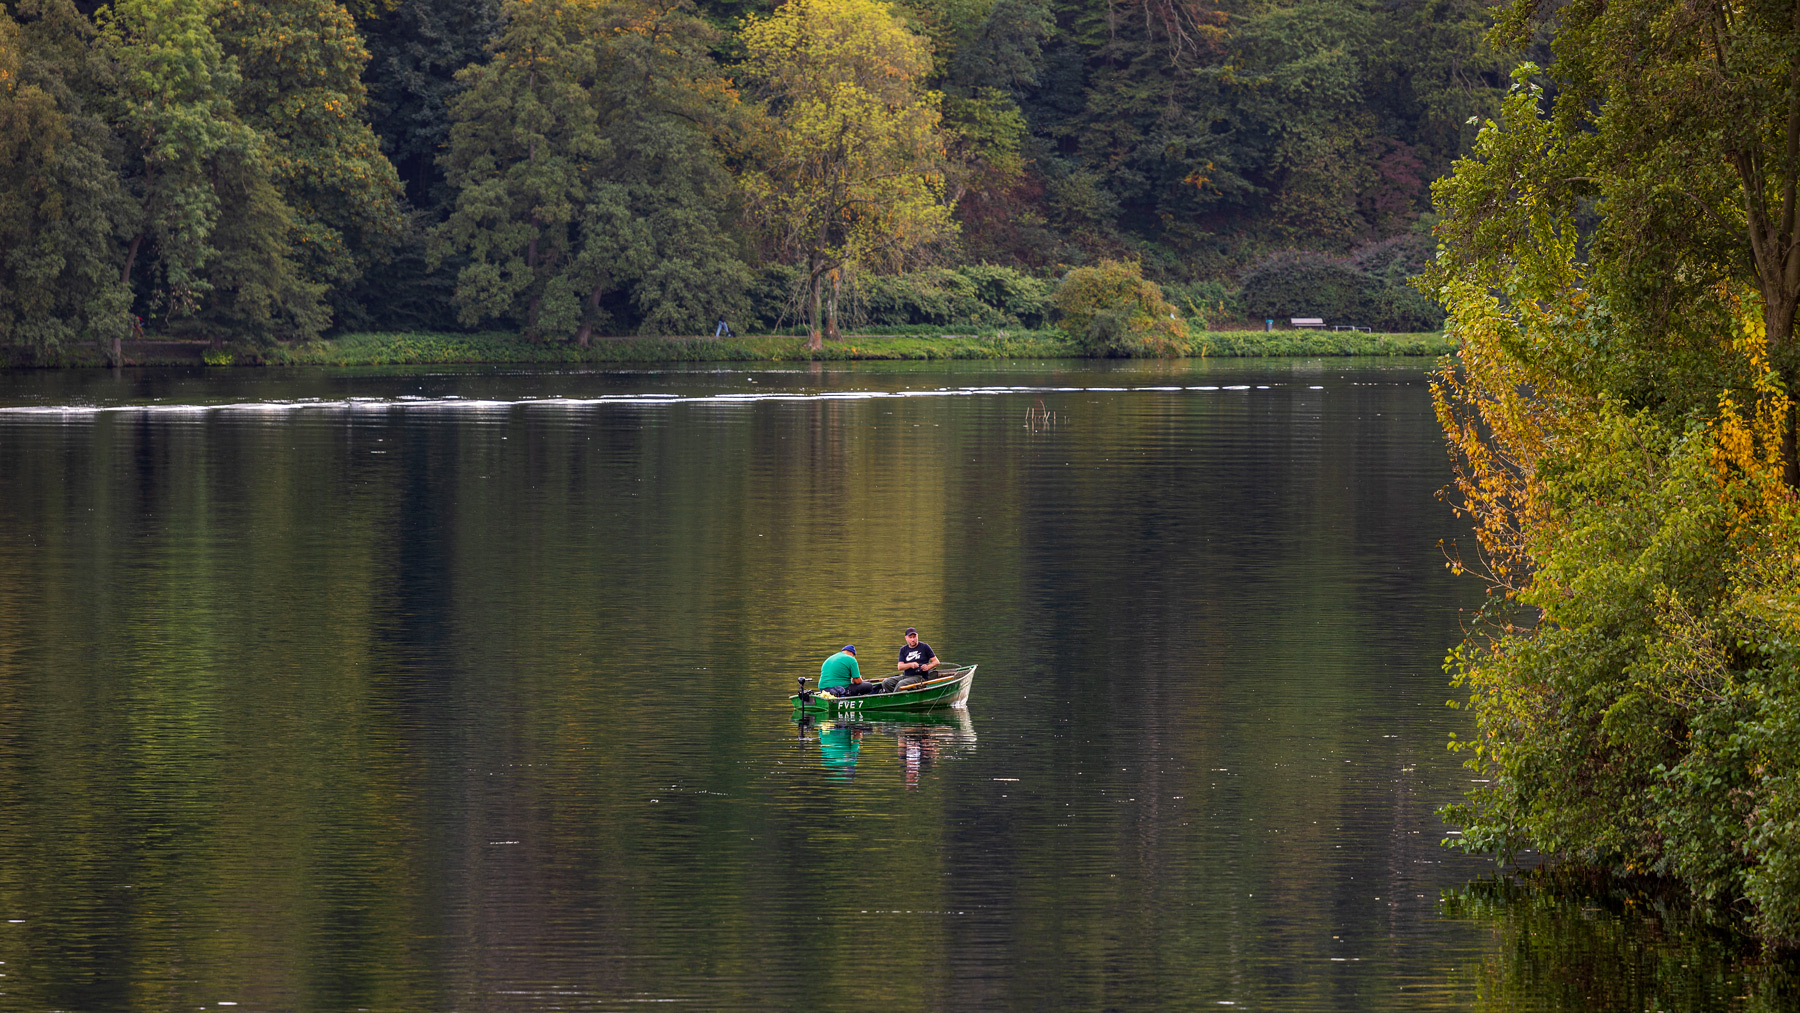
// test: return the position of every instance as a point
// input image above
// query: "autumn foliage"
(1112, 310)
(849, 169)
(1635, 678)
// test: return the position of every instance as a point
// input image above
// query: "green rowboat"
(948, 687)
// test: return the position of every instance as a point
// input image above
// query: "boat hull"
(946, 691)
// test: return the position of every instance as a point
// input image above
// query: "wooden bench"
(1318, 322)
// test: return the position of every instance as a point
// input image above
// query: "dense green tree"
(300, 87)
(523, 127)
(1206, 134)
(657, 249)
(986, 60)
(1686, 119)
(1300, 86)
(1436, 77)
(258, 289)
(416, 48)
(986, 54)
(589, 191)
(1670, 140)
(60, 197)
(226, 269)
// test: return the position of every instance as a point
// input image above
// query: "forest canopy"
(252, 171)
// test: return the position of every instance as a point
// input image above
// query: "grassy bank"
(430, 349)
(1227, 344)
(383, 349)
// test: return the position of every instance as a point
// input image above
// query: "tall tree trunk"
(815, 340)
(831, 327)
(1778, 276)
(1778, 264)
(1779, 305)
(118, 345)
(1776, 259)
(531, 245)
(587, 320)
(131, 258)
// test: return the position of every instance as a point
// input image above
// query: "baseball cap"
(912, 631)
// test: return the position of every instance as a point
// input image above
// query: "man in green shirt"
(839, 675)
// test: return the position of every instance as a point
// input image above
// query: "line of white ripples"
(484, 406)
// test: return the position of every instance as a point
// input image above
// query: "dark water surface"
(341, 690)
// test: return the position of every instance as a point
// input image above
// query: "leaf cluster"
(1111, 309)
(851, 171)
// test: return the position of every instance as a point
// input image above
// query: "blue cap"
(850, 648)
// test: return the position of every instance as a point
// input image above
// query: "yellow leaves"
(851, 165)
(820, 47)
(1747, 447)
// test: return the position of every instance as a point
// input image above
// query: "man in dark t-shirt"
(917, 659)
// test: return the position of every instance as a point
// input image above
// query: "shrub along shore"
(923, 343)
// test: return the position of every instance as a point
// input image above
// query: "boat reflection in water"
(920, 741)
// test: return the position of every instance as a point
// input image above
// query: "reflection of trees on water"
(1572, 942)
(919, 743)
(1228, 733)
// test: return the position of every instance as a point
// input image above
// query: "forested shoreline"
(1620, 256)
(257, 174)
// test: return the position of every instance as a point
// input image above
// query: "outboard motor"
(805, 697)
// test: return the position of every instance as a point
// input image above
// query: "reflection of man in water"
(838, 749)
(917, 750)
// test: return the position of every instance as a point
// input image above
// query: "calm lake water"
(467, 690)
